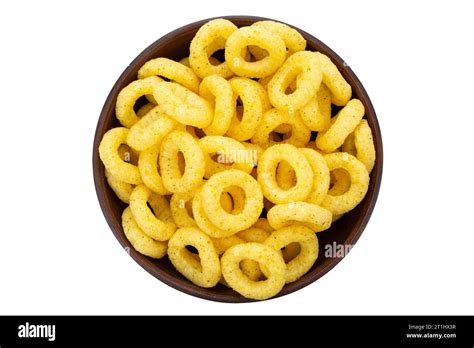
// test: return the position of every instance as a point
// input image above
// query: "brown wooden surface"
(347, 230)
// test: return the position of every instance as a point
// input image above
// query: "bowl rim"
(203, 293)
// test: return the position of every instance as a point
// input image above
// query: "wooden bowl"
(345, 231)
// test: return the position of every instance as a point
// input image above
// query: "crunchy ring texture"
(249, 92)
(139, 240)
(361, 144)
(311, 215)
(309, 249)
(343, 124)
(173, 180)
(157, 223)
(150, 129)
(183, 105)
(218, 91)
(129, 95)
(305, 68)
(266, 174)
(117, 167)
(247, 36)
(217, 30)
(171, 70)
(264, 255)
(253, 206)
(206, 270)
(359, 183)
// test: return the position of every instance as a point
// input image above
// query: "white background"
(60, 59)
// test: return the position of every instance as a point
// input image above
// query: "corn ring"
(227, 150)
(305, 68)
(148, 167)
(359, 183)
(272, 119)
(308, 254)
(157, 223)
(321, 177)
(341, 91)
(108, 152)
(212, 190)
(250, 94)
(265, 256)
(183, 105)
(150, 129)
(266, 174)
(214, 33)
(139, 240)
(311, 215)
(341, 182)
(180, 212)
(218, 91)
(173, 143)
(129, 95)
(121, 189)
(247, 36)
(203, 222)
(171, 70)
(294, 41)
(204, 271)
(316, 114)
(361, 144)
(342, 125)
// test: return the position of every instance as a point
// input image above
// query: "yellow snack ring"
(294, 41)
(173, 143)
(218, 91)
(212, 190)
(150, 129)
(250, 94)
(139, 240)
(203, 222)
(129, 95)
(120, 188)
(321, 177)
(108, 152)
(343, 124)
(316, 114)
(247, 36)
(266, 174)
(363, 143)
(264, 255)
(305, 68)
(206, 270)
(237, 198)
(171, 70)
(157, 224)
(341, 91)
(311, 215)
(272, 119)
(183, 105)
(214, 33)
(148, 166)
(359, 183)
(179, 210)
(227, 150)
(341, 182)
(308, 254)
(254, 234)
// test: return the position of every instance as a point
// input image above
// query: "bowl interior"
(345, 231)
